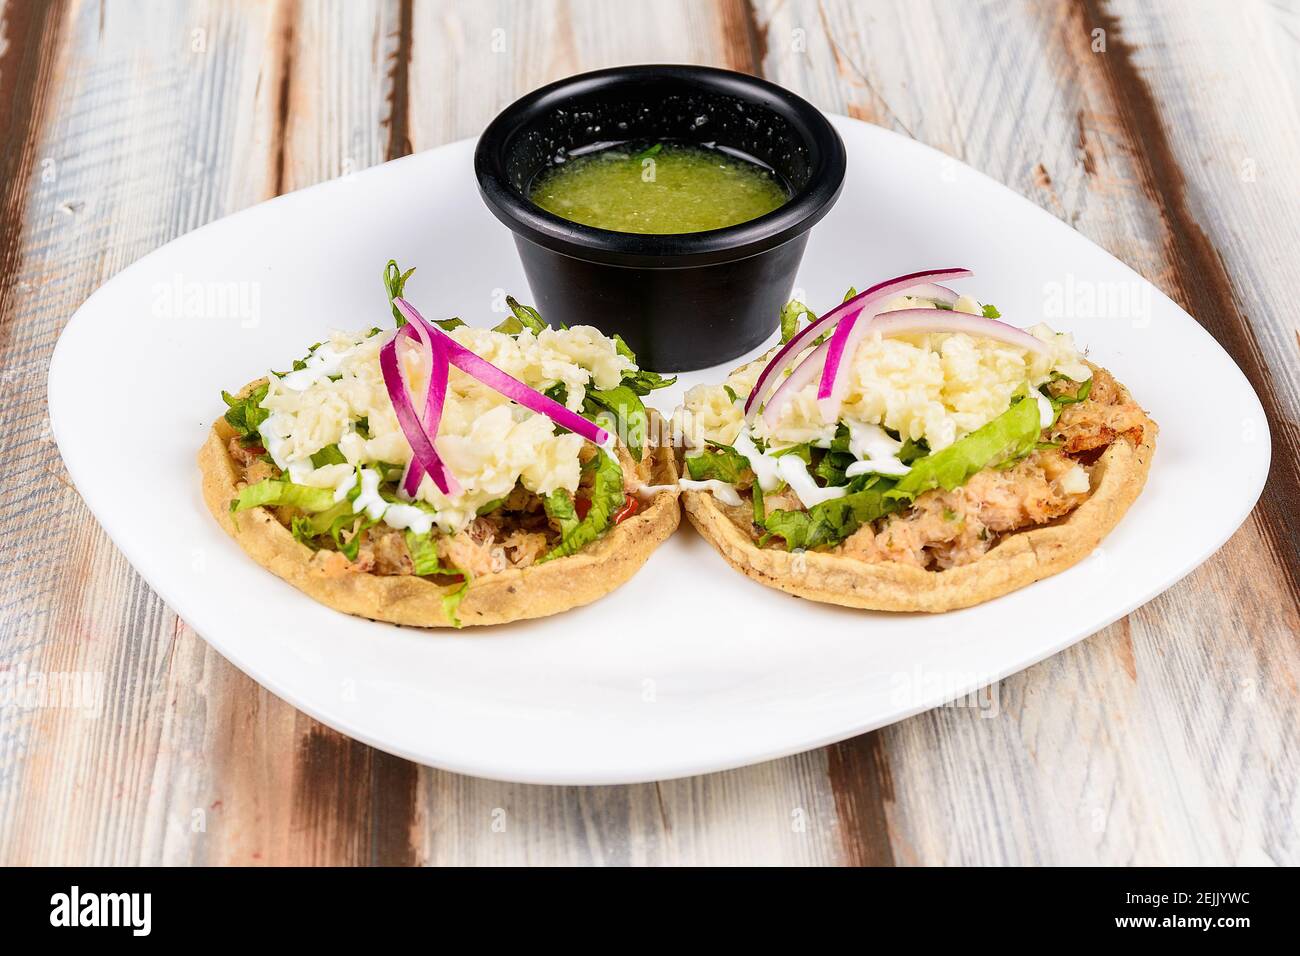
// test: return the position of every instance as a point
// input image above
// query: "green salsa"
(665, 188)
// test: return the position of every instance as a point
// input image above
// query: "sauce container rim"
(665, 251)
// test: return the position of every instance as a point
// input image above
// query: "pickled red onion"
(436, 396)
(920, 321)
(769, 380)
(506, 384)
(424, 455)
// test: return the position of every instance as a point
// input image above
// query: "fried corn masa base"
(1018, 559)
(511, 595)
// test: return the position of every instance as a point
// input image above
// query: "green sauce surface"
(667, 188)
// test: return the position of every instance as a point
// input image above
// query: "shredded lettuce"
(912, 450)
(245, 415)
(720, 462)
(275, 492)
(1007, 438)
(607, 497)
(307, 528)
(795, 311)
(329, 455)
(623, 401)
(423, 549)
(791, 313)
(803, 451)
(647, 152)
(340, 523)
(1003, 441)
(395, 285)
(560, 507)
(832, 521)
(521, 317)
(300, 364)
(623, 348)
(628, 410)
(1060, 401)
(345, 531)
(832, 466)
(392, 474)
(826, 335)
(641, 381)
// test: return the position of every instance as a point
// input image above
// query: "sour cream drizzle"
(273, 440)
(408, 516)
(344, 486)
(1045, 411)
(765, 467)
(876, 451)
(723, 491)
(369, 500)
(795, 472)
(324, 361)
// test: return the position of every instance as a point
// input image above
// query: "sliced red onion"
(770, 378)
(934, 293)
(439, 370)
(840, 349)
(921, 321)
(507, 384)
(424, 455)
(803, 373)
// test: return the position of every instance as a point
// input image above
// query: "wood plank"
(1201, 280)
(777, 812)
(1167, 738)
(27, 56)
(189, 761)
(1233, 235)
(159, 776)
(1112, 752)
(469, 61)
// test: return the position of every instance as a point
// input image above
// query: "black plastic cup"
(683, 301)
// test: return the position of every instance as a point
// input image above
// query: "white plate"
(690, 667)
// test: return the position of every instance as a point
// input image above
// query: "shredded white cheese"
(936, 387)
(487, 442)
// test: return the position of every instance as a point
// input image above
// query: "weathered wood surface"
(1169, 137)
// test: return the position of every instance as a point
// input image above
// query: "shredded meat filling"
(252, 460)
(944, 529)
(1092, 425)
(384, 551)
(516, 536)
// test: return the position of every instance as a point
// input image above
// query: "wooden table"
(1166, 132)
